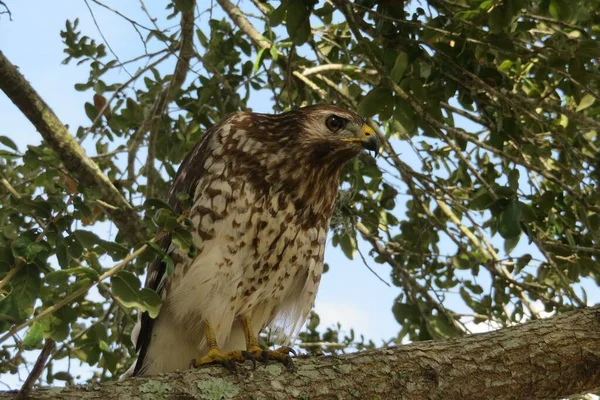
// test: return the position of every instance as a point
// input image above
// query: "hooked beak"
(369, 139)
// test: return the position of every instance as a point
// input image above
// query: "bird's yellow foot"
(216, 356)
(281, 355)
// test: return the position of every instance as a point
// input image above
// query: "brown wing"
(190, 172)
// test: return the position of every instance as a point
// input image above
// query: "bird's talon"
(289, 364)
(249, 356)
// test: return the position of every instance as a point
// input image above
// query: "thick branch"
(543, 359)
(70, 152)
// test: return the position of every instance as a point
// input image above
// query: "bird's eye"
(335, 123)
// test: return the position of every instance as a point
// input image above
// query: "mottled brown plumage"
(263, 189)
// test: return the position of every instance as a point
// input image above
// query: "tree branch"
(54, 132)
(245, 26)
(543, 359)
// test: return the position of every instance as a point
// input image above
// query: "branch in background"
(489, 253)
(409, 282)
(245, 26)
(70, 152)
(7, 10)
(544, 359)
(337, 67)
(152, 121)
(37, 370)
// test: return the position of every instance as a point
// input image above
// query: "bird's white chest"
(252, 257)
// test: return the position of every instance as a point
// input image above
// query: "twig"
(37, 369)
(364, 260)
(12, 272)
(7, 10)
(102, 35)
(337, 67)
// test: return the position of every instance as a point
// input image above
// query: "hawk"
(262, 190)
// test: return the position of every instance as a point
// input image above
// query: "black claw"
(249, 356)
(265, 356)
(192, 363)
(289, 364)
(290, 350)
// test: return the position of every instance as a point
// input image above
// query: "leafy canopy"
(484, 205)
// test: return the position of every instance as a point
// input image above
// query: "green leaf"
(586, 101)
(482, 200)
(399, 67)
(165, 219)
(126, 288)
(87, 238)
(375, 101)
(90, 111)
(115, 250)
(258, 60)
(26, 288)
(58, 277)
(274, 53)
(184, 5)
(103, 346)
(62, 252)
(560, 9)
(154, 202)
(513, 179)
(404, 313)
(34, 336)
(151, 301)
(297, 21)
(182, 239)
(277, 15)
(523, 261)
(510, 244)
(348, 245)
(202, 38)
(62, 376)
(8, 143)
(509, 221)
(28, 249)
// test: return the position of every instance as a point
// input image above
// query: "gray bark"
(543, 359)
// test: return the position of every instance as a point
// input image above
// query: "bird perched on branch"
(262, 190)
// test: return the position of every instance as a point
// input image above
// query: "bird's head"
(330, 132)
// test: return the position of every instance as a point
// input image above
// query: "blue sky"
(349, 293)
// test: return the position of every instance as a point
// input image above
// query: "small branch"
(311, 84)
(12, 272)
(7, 10)
(37, 370)
(337, 67)
(70, 152)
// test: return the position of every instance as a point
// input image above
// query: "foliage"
(491, 114)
